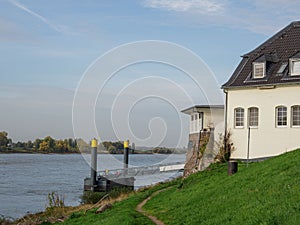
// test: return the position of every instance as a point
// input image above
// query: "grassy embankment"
(264, 193)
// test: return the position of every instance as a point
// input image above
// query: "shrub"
(116, 192)
(90, 197)
(225, 147)
(55, 200)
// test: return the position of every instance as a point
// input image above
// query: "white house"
(262, 109)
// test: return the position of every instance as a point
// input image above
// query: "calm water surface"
(26, 179)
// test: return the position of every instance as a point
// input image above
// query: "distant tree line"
(114, 147)
(118, 148)
(50, 145)
(162, 150)
(46, 145)
(70, 145)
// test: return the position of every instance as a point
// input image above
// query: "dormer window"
(282, 68)
(258, 70)
(294, 67)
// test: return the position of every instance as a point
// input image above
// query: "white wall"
(266, 140)
(211, 118)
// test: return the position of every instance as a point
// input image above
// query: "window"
(239, 117)
(281, 116)
(196, 123)
(296, 115)
(294, 67)
(253, 117)
(258, 70)
(282, 68)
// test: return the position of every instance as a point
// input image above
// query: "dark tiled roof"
(275, 52)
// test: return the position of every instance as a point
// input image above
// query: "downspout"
(199, 141)
(201, 128)
(248, 149)
(225, 125)
(226, 103)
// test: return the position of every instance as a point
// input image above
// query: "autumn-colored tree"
(118, 145)
(44, 146)
(50, 141)
(3, 139)
(48, 144)
(60, 146)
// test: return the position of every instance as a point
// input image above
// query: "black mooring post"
(126, 153)
(93, 163)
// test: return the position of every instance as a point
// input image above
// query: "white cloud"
(258, 16)
(201, 6)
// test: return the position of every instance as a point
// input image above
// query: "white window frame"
(253, 117)
(282, 68)
(255, 75)
(293, 116)
(241, 116)
(292, 72)
(282, 117)
(195, 124)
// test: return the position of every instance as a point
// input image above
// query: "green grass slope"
(121, 213)
(263, 193)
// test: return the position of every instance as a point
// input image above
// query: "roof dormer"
(295, 65)
(274, 62)
(260, 65)
(259, 70)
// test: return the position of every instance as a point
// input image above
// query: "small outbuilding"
(203, 121)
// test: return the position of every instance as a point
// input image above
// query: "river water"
(26, 179)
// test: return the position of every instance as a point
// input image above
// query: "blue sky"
(46, 46)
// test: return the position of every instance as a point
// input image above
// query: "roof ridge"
(296, 23)
(270, 40)
(236, 72)
(275, 51)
